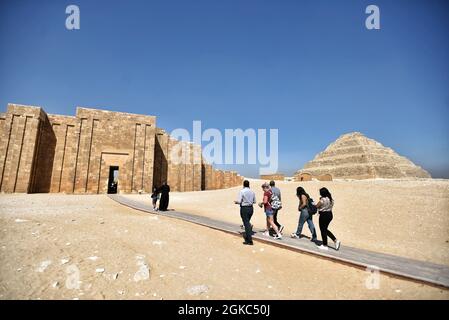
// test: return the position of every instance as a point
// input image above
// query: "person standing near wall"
(246, 199)
(165, 197)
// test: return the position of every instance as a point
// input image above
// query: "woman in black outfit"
(325, 206)
(165, 197)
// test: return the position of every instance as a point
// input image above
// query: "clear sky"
(309, 68)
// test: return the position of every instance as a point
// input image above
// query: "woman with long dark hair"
(325, 206)
(304, 215)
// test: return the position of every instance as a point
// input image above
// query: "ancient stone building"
(276, 177)
(178, 163)
(324, 177)
(303, 176)
(96, 151)
(354, 156)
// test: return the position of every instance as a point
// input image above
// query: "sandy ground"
(88, 247)
(405, 218)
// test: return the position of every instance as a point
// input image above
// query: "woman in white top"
(325, 208)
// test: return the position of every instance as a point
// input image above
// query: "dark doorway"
(113, 179)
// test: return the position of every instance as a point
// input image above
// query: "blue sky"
(309, 68)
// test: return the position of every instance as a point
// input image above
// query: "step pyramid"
(354, 156)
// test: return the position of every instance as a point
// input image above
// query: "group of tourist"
(272, 203)
(163, 195)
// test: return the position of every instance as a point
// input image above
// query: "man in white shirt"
(246, 199)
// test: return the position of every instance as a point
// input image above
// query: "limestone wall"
(74, 154)
(197, 167)
(303, 176)
(19, 137)
(182, 165)
(161, 152)
(209, 178)
(276, 177)
(55, 153)
(88, 144)
(44, 157)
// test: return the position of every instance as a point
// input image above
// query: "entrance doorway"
(113, 179)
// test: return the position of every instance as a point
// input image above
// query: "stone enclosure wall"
(74, 154)
(182, 166)
(275, 177)
(304, 176)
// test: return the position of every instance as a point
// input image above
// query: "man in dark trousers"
(163, 202)
(246, 199)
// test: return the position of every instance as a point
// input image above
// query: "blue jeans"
(305, 217)
(268, 212)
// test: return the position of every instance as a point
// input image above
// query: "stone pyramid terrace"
(354, 156)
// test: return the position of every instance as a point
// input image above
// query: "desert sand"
(409, 218)
(120, 253)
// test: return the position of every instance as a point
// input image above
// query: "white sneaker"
(266, 233)
(281, 228)
(294, 235)
(321, 247)
(278, 237)
(337, 244)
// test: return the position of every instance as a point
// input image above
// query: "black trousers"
(275, 218)
(325, 219)
(246, 213)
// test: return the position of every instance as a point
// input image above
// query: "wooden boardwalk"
(403, 267)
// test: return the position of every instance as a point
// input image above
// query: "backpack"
(311, 207)
(275, 203)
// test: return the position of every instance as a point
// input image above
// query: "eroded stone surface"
(354, 156)
(73, 154)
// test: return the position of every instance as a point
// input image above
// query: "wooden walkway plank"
(399, 266)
